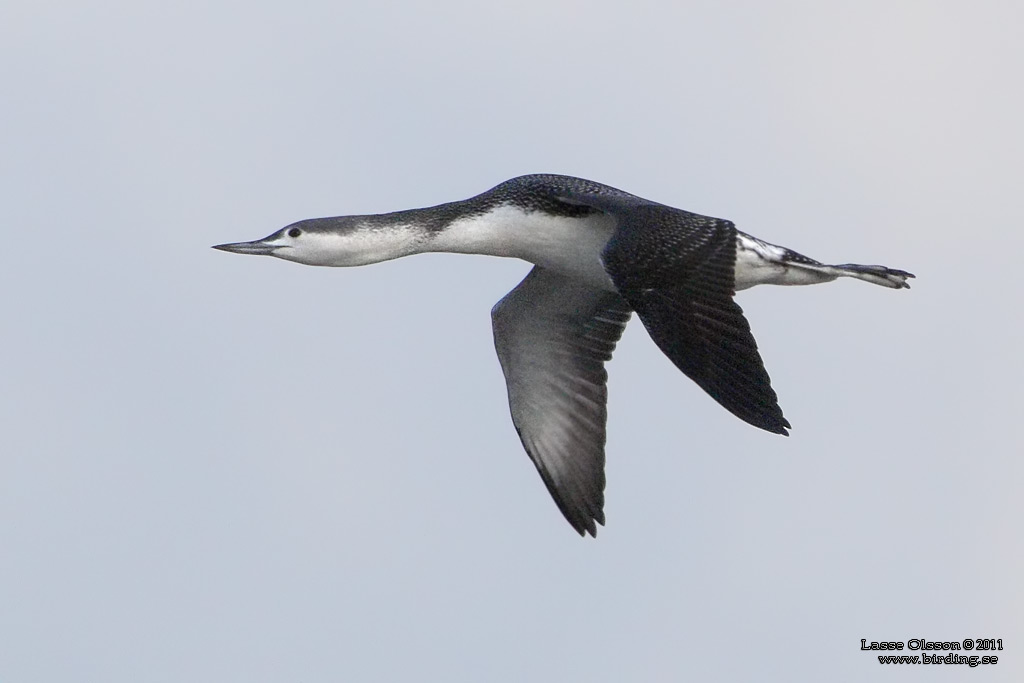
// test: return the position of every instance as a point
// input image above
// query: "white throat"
(359, 246)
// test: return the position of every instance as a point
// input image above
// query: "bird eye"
(294, 232)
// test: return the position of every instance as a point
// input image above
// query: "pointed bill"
(257, 248)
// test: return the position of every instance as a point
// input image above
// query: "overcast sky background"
(217, 468)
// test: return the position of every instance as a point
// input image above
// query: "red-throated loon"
(599, 254)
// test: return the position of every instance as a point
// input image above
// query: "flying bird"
(599, 254)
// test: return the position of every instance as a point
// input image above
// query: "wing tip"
(775, 424)
(586, 525)
(583, 510)
(767, 417)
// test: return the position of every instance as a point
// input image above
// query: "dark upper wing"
(676, 269)
(553, 336)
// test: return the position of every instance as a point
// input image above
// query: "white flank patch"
(571, 246)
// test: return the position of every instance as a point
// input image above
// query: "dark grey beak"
(258, 248)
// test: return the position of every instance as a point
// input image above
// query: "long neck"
(361, 240)
(570, 244)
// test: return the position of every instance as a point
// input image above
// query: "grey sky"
(216, 468)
